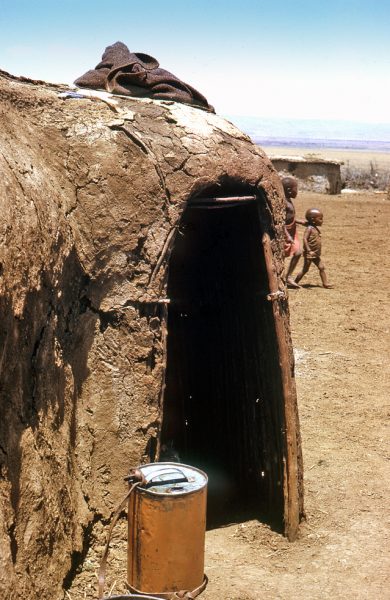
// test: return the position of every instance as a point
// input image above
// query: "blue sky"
(270, 58)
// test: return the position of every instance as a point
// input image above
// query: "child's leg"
(321, 268)
(293, 263)
(305, 268)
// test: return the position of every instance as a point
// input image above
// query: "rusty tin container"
(167, 524)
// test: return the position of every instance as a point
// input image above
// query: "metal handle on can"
(178, 479)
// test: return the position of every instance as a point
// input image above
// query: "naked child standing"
(312, 246)
(292, 247)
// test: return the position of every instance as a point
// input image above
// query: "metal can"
(167, 525)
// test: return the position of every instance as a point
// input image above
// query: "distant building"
(310, 170)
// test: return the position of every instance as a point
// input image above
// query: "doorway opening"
(223, 395)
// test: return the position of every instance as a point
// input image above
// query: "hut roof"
(309, 158)
(115, 172)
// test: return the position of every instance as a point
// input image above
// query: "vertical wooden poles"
(291, 484)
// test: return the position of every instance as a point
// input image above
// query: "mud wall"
(91, 195)
(306, 169)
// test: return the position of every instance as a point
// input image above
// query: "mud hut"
(315, 172)
(142, 306)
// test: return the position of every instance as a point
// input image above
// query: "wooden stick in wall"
(291, 490)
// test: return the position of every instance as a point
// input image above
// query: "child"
(292, 246)
(312, 246)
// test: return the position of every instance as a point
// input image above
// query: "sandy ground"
(342, 342)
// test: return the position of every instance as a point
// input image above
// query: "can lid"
(167, 478)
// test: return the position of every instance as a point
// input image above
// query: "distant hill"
(314, 133)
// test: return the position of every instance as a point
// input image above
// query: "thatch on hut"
(140, 309)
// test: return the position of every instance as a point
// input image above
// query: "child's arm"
(287, 235)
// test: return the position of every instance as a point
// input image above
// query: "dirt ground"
(341, 340)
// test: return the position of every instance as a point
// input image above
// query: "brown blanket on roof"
(137, 74)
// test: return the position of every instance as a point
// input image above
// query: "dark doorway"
(223, 396)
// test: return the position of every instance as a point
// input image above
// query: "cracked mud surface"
(342, 342)
(92, 196)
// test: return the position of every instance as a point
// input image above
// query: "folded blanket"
(135, 74)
